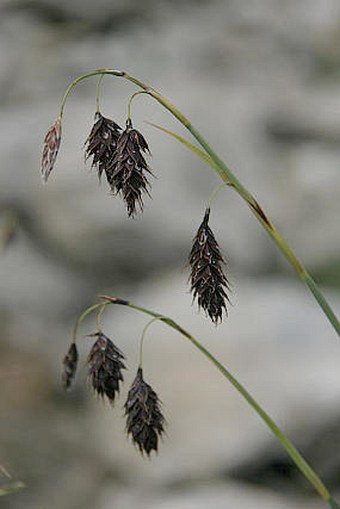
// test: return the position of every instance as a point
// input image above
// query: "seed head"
(145, 422)
(50, 149)
(129, 169)
(105, 363)
(101, 144)
(70, 363)
(208, 281)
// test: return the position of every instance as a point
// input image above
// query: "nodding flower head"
(208, 281)
(129, 169)
(145, 422)
(105, 362)
(70, 363)
(50, 149)
(101, 144)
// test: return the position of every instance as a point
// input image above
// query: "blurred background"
(261, 80)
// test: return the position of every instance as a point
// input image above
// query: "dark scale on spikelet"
(105, 362)
(70, 363)
(101, 144)
(50, 149)
(145, 422)
(208, 281)
(129, 169)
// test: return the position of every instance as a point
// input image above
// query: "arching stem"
(213, 195)
(295, 455)
(141, 342)
(130, 102)
(99, 81)
(227, 176)
(82, 317)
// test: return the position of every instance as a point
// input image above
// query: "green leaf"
(202, 155)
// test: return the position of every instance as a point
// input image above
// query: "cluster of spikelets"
(120, 156)
(116, 153)
(105, 363)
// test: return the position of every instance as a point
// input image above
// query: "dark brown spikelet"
(129, 169)
(208, 281)
(145, 422)
(101, 144)
(50, 149)
(70, 363)
(105, 362)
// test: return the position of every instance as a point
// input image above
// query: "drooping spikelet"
(105, 362)
(70, 363)
(50, 149)
(129, 169)
(145, 422)
(101, 144)
(208, 281)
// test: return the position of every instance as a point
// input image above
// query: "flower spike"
(50, 149)
(129, 169)
(70, 364)
(105, 363)
(145, 422)
(101, 144)
(209, 284)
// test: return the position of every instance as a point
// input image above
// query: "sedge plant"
(120, 156)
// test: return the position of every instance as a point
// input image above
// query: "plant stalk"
(228, 177)
(82, 317)
(295, 455)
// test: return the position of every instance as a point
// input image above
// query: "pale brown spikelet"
(50, 149)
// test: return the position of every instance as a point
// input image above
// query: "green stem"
(82, 317)
(130, 102)
(227, 176)
(141, 343)
(100, 79)
(213, 195)
(78, 80)
(99, 317)
(295, 455)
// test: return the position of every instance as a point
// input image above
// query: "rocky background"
(261, 80)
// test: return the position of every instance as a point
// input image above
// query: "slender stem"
(295, 455)
(321, 300)
(213, 195)
(82, 317)
(141, 343)
(227, 176)
(78, 80)
(99, 317)
(130, 102)
(100, 79)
